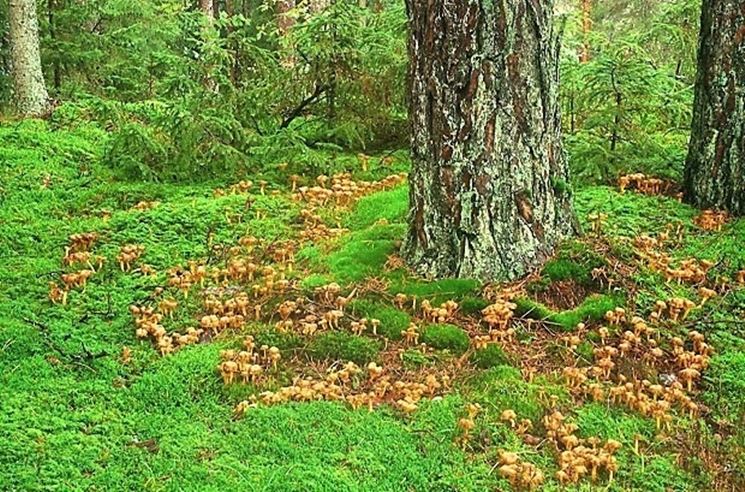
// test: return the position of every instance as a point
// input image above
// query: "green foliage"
(446, 337)
(489, 357)
(339, 345)
(392, 320)
(628, 108)
(415, 359)
(359, 257)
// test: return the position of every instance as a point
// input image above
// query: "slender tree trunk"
(207, 7)
(56, 69)
(489, 193)
(31, 97)
(285, 21)
(715, 168)
(584, 56)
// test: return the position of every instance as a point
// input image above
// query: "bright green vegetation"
(489, 357)
(574, 262)
(343, 346)
(592, 309)
(446, 337)
(156, 104)
(392, 321)
(75, 417)
(502, 387)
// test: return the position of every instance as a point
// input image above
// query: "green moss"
(437, 291)
(472, 305)
(359, 257)
(503, 387)
(446, 337)
(315, 280)
(269, 335)
(585, 349)
(724, 389)
(389, 206)
(593, 309)
(574, 261)
(532, 309)
(392, 320)
(339, 345)
(489, 357)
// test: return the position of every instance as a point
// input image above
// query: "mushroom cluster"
(579, 458)
(239, 188)
(355, 386)
(342, 190)
(144, 205)
(597, 221)
(711, 220)
(676, 309)
(83, 241)
(411, 334)
(521, 474)
(639, 342)
(249, 364)
(498, 316)
(148, 324)
(691, 271)
(440, 314)
(76, 252)
(128, 254)
(644, 184)
(468, 423)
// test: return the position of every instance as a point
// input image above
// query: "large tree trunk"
(489, 191)
(31, 97)
(715, 168)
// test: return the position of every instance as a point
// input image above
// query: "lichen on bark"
(30, 93)
(486, 139)
(715, 167)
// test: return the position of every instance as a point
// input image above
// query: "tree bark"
(715, 167)
(489, 192)
(208, 8)
(285, 21)
(31, 97)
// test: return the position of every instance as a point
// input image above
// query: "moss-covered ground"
(76, 414)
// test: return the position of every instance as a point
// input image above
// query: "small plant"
(446, 337)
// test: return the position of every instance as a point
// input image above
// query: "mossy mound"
(446, 337)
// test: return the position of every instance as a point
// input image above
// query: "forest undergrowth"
(262, 333)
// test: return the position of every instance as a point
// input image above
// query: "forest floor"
(87, 404)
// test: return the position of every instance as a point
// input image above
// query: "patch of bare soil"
(563, 294)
